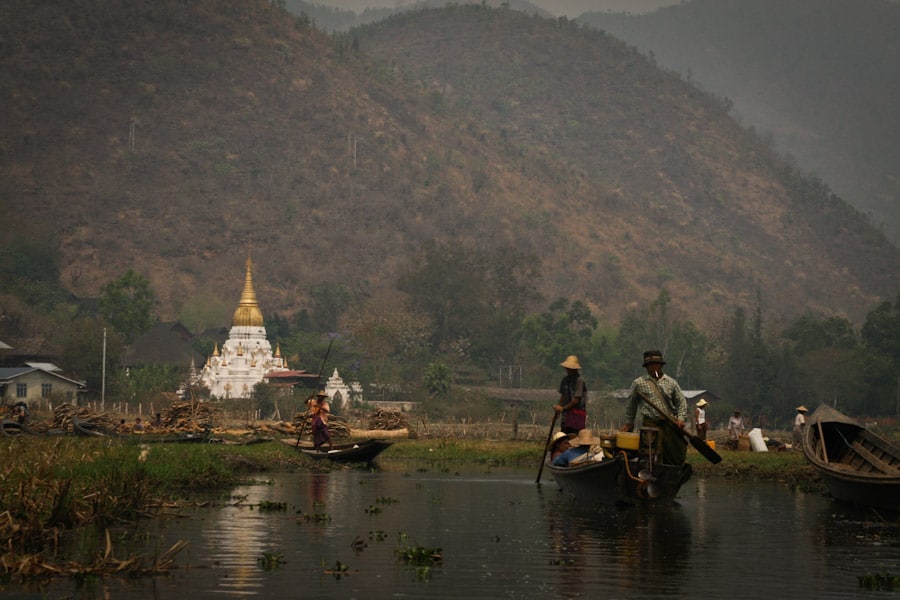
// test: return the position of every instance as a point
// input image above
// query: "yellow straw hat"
(571, 362)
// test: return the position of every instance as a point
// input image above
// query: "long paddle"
(701, 446)
(546, 445)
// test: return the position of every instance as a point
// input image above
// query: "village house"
(38, 384)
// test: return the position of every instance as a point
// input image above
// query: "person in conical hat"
(572, 404)
(580, 445)
(799, 427)
(700, 424)
(559, 443)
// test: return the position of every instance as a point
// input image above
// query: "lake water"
(499, 535)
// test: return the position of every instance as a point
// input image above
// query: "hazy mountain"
(822, 77)
(173, 138)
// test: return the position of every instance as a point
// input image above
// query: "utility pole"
(103, 377)
(131, 126)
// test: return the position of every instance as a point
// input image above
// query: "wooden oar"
(701, 446)
(546, 446)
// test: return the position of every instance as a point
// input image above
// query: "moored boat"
(359, 451)
(9, 427)
(857, 465)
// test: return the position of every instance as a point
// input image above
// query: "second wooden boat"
(857, 465)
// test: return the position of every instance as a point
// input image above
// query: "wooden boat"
(87, 428)
(359, 451)
(623, 478)
(857, 465)
(9, 427)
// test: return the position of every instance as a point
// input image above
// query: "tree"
(437, 378)
(881, 336)
(475, 301)
(564, 328)
(126, 304)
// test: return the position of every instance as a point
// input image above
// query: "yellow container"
(628, 440)
(711, 444)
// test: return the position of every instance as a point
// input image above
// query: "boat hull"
(857, 466)
(619, 480)
(361, 451)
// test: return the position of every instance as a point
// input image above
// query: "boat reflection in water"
(630, 546)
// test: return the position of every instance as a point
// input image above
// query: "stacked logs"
(387, 420)
(190, 416)
(62, 417)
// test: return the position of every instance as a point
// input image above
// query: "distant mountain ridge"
(820, 76)
(177, 138)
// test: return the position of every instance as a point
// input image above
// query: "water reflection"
(503, 537)
(631, 546)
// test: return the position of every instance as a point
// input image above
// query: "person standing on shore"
(799, 426)
(572, 397)
(700, 424)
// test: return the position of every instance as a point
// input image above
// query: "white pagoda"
(246, 357)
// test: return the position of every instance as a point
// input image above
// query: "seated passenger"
(559, 443)
(580, 446)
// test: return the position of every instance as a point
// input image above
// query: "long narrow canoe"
(361, 451)
(857, 465)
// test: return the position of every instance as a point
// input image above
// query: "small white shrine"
(246, 357)
(339, 393)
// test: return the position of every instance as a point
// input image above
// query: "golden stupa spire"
(247, 314)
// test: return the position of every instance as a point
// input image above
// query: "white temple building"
(246, 357)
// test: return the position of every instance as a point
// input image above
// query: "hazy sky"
(570, 8)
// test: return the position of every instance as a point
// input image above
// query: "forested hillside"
(817, 76)
(423, 186)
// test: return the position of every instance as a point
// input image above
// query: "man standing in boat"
(572, 397)
(665, 392)
(319, 409)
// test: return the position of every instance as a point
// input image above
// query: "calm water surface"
(501, 536)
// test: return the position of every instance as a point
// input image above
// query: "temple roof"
(247, 314)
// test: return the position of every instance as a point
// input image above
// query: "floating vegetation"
(373, 510)
(359, 544)
(314, 518)
(267, 505)
(338, 570)
(385, 500)
(420, 556)
(378, 535)
(563, 562)
(882, 582)
(271, 560)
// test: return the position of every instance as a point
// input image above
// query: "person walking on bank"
(799, 426)
(572, 397)
(661, 389)
(700, 424)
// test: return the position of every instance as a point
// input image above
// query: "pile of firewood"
(387, 420)
(187, 416)
(62, 417)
